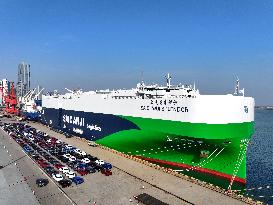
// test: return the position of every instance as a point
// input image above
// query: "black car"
(71, 164)
(49, 169)
(98, 167)
(42, 182)
(90, 169)
(64, 160)
(65, 183)
(92, 158)
(67, 135)
(35, 156)
(43, 153)
(34, 146)
(53, 161)
(47, 156)
(50, 158)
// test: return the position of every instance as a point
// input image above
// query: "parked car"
(53, 161)
(99, 162)
(68, 146)
(98, 167)
(57, 177)
(70, 174)
(67, 156)
(67, 135)
(107, 165)
(92, 158)
(64, 169)
(72, 159)
(64, 160)
(58, 166)
(27, 149)
(92, 144)
(44, 164)
(106, 172)
(49, 169)
(65, 183)
(90, 169)
(82, 172)
(78, 180)
(42, 182)
(85, 160)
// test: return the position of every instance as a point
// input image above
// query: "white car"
(68, 146)
(70, 174)
(57, 177)
(99, 162)
(64, 170)
(67, 156)
(92, 144)
(83, 153)
(85, 160)
(10, 133)
(58, 141)
(72, 159)
(78, 151)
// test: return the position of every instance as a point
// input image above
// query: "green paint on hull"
(151, 141)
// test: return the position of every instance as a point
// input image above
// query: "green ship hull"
(215, 153)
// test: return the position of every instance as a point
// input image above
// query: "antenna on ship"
(237, 86)
(168, 80)
(142, 78)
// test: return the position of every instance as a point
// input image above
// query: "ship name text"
(79, 121)
(165, 108)
(164, 105)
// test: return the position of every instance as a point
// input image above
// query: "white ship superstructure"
(176, 103)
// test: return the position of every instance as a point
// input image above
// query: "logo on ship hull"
(246, 109)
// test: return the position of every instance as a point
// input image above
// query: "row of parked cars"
(61, 161)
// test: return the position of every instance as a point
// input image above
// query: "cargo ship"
(203, 136)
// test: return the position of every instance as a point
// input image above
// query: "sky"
(108, 44)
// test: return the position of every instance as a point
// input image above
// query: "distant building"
(4, 90)
(23, 84)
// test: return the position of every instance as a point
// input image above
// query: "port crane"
(10, 100)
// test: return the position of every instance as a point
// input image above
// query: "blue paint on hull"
(73, 122)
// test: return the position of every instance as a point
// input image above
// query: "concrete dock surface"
(18, 178)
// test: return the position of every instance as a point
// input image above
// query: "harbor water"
(260, 158)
